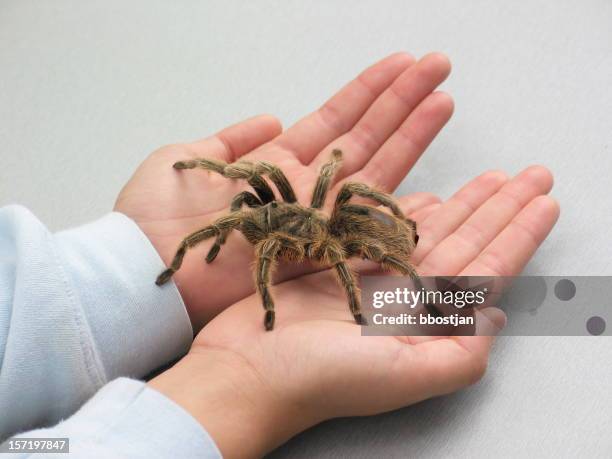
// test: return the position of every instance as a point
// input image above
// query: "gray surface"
(87, 90)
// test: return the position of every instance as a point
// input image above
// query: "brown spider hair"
(287, 230)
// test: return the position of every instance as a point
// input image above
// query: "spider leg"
(324, 181)
(359, 189)
(222, 224)
(373, 251)
(279, 179)
(241, 198)
(391, 263)
(332, 253)
(348, 281)
(237, 170)
(266, 252)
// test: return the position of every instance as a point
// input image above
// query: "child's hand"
(382, 121)
(253, 389)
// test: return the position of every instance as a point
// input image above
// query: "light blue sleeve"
(78, 309)
(128, 420)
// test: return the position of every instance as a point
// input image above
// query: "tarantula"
(287, 230)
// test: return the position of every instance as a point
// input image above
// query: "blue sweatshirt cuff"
(135, 326)
(127, 419)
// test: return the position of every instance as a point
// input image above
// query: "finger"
(488, 322)
(236, 140)
(387, 113)
(455, 210)
(510, 251)
(441, 366)
(479, 229)
(423, 214)
(417, 202)
(390, 164)
(492, 322)
(308, 136)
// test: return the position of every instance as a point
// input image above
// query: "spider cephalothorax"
(287, 230)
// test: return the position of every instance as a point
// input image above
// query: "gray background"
(87, 89)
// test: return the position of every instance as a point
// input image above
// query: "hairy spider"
(287, 230)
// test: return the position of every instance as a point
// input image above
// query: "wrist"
(243, 414)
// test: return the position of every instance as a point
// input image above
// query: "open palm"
(316, 358)
(383, 120)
